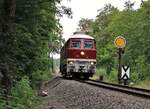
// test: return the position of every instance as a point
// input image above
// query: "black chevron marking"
(125, 75)
(125, 69)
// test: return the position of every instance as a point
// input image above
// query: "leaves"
(27, 28)
(129, 23)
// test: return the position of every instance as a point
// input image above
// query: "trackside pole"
(125, 82)
(120, 43)
(119, 64)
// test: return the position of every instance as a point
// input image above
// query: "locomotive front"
(78, 56)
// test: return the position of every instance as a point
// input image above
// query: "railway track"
(91, 94)
(145, 93)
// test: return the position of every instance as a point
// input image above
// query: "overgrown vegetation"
(29, 31)
(22, 97)
(132, 24)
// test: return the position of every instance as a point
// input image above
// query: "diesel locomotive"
(78, 56)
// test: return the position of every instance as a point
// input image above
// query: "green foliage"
(36, 32)
(23, 96)
(29, 31)
(141, 69)
(111, 77)
(85, 25)
(129, 23)
(100, 72)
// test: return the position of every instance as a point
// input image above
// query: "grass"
(112, 77)
(142, 84)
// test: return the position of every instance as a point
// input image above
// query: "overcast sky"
(86, 9)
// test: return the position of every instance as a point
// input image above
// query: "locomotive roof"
(84, 36)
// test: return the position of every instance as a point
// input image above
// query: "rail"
(125, 89)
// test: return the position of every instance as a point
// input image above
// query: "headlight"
(92, 63)
(70, 62)
(82, 53)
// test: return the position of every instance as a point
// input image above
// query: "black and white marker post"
(125, 74)
(120, 43)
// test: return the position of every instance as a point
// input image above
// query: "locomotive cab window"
(75, 44)
(88, 44)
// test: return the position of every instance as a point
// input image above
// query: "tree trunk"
(52, 63)
(6, 84)
(8, 16)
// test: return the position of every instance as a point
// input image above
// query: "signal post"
(120, 43)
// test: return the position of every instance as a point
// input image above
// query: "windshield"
(75, 44)
(88, 44)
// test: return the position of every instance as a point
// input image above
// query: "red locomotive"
(78, 56)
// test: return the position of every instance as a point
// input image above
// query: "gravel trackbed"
(71, 94)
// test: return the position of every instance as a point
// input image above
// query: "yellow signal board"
(120, 42)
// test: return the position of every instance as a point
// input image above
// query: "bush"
(100, 72)
(23, 96)
(140, 71)
(111, 77)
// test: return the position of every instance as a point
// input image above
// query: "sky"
(86, 9)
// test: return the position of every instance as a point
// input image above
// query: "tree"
(131, 24)
(85, 25)
(26, 27)
(129, 5)
(8, 13)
